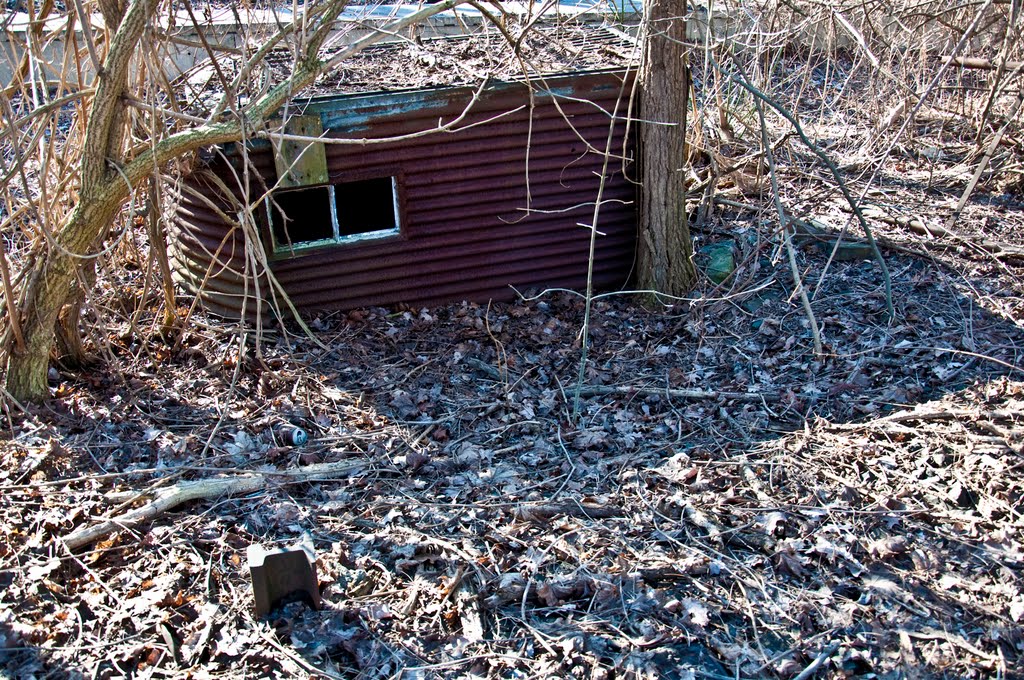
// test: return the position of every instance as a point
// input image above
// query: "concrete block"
(281, 575)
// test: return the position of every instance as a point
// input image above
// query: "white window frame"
(337, 239)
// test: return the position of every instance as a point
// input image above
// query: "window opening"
(366, 207)
(333, 215)
(301, 217)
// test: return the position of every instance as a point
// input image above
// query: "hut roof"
(413, 63)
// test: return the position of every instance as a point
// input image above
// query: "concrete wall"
(223, 30)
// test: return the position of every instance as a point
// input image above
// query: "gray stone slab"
(282, 574)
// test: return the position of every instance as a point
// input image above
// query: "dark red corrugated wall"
(465, 232)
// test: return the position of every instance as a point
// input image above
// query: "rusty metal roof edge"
(318, 102)
(359, 102)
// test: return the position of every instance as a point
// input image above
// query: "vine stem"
(830, 164)
(787, 238)
(589, 303)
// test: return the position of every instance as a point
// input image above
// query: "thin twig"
(813, 667)
(834, 169)
(787, 238)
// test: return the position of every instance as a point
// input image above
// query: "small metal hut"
(420, 196)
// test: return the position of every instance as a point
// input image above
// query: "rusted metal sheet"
(501, 201)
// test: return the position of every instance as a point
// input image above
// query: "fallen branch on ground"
(170, 497)
(901, 417)
(787, 238)
(597, 390)
(834, 169)
(813, 667)
(918, 226)
(544, 512)
(984, 64)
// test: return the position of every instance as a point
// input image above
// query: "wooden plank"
(302, 163)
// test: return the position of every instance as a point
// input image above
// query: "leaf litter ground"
(852, 515)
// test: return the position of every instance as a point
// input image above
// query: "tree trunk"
(99, 201)
(664, 251)
(70, 351)
(104, 191)
(56, 277)
(158, 248)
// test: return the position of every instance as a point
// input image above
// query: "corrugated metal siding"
(465, 233)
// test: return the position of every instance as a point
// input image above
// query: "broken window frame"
(295, 248)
